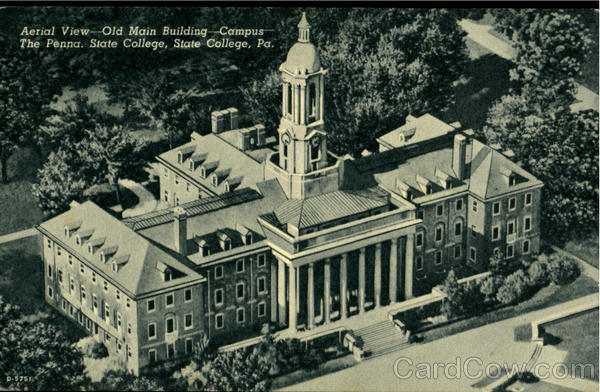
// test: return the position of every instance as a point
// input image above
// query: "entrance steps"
(381, 338)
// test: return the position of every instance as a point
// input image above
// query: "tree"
(490, 285)
(121, 380)
(39, 351)
(562, 270)
(538, 273)
(514, 288)
(111, 153)
(453, 305)
(499, 265)
(60, 181)
(262, 101)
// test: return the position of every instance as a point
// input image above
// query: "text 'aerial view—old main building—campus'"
(284, 232)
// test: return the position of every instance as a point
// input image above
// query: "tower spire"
(303, 29)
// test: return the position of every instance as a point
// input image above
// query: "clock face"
(286, 138)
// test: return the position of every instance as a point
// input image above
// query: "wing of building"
(278, 230)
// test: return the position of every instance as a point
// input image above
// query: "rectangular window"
(241, 315)
(152, 355)
(95, 303)
(239, 265)
(189, 346)
(510, 228)
(60, 276)
(49, 244)
(474, 206)
(106, 313)
(219, 297)
(166, 196)
(118, 295)
(176, 180)
(119, 321)
(262, 260)
(458, 228)
(473, 231)
(170, 351)
(219, 321)
(169, 300)
(218, 271)
(81, 268)
(438, 233)
(510, 251)
(528, 199)
(188, 321)
(187, 295)
(459, 203)
(50, 293)
(64, 304)
(420, 214)
(419, 262)
(129, 328)
(512, 203)
(457, 251)
(527, 225)
(495, 233)
(72, 286)
(239, 291)
(83, 296)
(473, 254)
(151, 305)
(419, 239)
(50, 271)
(438, 257)
(440, 210)
(70, 258)
(151, 331)
(496, 208)
(58, 250)
(526, 247)
(262, 285)
(93, 277)
(106, 286)
(170, 325)
(262, 309)
(127, 302)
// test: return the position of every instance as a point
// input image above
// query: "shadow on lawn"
(486, 80)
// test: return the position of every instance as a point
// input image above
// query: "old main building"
(284, 232)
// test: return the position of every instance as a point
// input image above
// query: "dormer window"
(203, 172)
(89, 248)
(511, 180)
(168, 275)
(226, 244)
(179, 157)
(227, 189)
(102, 257)
(78, 240)
(66, 231)
(509, 176)
(205, 251)
(428, 189)
(248, 238)
(165, 271)
(191, 166)
(215, 180)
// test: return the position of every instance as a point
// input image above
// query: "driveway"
(147, 202)
(462, 355)
(585, 98)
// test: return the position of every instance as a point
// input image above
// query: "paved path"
(17, 235)
(490, 344)
(585, 267)
(586, 99)
(147, 202)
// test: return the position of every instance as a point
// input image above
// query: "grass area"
(547, 296)
(302, 375)
(19, 209)
(584, 246)
(523, 333)
(579, 337)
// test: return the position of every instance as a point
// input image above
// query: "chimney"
(234, 118)
(180, 230)
(459, 156)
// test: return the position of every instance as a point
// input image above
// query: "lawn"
(579, 337)
(584, 246)
(547, 296)
(19, 209)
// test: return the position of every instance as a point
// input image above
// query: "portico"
(321, 290)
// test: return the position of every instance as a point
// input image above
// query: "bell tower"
(302, 137)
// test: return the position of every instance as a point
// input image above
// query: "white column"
(284, 99)
(310, 298)
(281, 292)
(292, 298)
(273, 291)
(361, 280)
(327, 290)
(321, 95)
(343, 286)
(394, 271)
(377, 274)
(408, 267)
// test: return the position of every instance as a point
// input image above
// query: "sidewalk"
(17, 235)
(147, 202)
(585, 98)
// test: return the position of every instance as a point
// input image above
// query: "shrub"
(92, 348)
(538, 273)
(489, 287)
(562, 270)
(472, 298)
(499, 265)
(514, 288)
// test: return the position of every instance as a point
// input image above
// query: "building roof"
(228, 216)
(303, 56)
(328, 207)
(415, 131)
(218, 155)
(138, 258)
(489, 169)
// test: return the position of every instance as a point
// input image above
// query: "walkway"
(17, 235)
(586, 99)
(147, 202)
(586, 268)
(491, 344)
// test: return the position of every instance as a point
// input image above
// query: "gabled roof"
(328, 207)
(488, 173)
(139, 274)
(416, 130)
(219, 156)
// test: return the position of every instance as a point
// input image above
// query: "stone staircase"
(381, 338)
